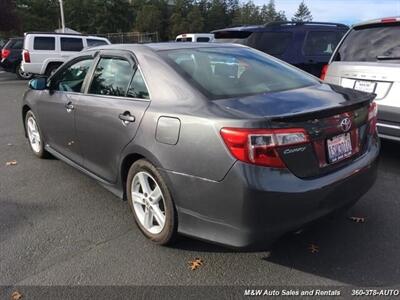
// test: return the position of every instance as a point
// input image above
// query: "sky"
(341, 11)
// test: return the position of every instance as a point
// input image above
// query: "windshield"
(228, 72)
(378, 42)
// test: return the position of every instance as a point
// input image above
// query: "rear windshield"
(14, 44)
(378, 42)
(228, 72)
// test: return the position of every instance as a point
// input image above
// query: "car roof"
(378, 21)
(286, 25)
(63, 34)
(164, 46)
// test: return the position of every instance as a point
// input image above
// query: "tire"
(34, 134)
(21, 74)
(51, 69)
(151, 227)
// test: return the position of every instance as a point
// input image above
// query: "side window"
(203, 39)
(274, 43)
(71, 78)
(44, 43)
(112, 77)
(94, 42)
(71, 44)
(321, 42)
(137, 88)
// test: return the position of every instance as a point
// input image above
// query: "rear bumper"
(33, 68)
(254, 205)
(8, 65)
(389, 122)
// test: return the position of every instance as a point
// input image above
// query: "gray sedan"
(216, 141)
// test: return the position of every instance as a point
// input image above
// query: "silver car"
(368, 59)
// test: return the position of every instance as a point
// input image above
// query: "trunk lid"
(335, 118)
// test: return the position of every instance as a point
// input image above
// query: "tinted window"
(71, 78)
(71, 44)
(44, 43)
(203, 39)
(94, 42)
(371, 43)
(231, 72)
(321, 42)
(274, 43)
(137, 88)
(112, 77)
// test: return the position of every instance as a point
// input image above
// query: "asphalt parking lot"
(59, 227)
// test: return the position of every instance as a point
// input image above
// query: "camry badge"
(345, 124)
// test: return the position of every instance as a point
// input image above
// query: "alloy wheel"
(33, 134)
(148, 202)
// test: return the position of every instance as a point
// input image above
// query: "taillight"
(259, 146)
(372, 117)
(5, 53)
(323, 72)
(27, 57)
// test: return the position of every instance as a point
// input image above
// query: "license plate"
(339, 147)
(365, 86)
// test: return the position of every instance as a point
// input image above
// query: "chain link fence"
(130, 37)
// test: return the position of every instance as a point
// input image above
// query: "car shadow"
(363, 253)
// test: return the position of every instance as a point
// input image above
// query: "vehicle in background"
(368, 59)
(266, 146)
(195, 37)
(43, 53)
(306, 45)
(11, 57)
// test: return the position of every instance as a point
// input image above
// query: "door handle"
(126, 117)
(69, 106)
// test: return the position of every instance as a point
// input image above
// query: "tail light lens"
(372, 117)
(5, 53)
(27, 57)
(324, 71)
(259, 146)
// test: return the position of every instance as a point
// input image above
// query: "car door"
(56, 108)
(110, 111)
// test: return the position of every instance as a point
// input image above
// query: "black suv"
(306, 45)
(11, 57)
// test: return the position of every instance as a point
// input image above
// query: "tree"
(269, 13)
(196, 23)
(8, 20)
(38, 15)
(217, 16)
(149, 19)
(303, 14)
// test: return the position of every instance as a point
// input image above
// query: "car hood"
(307, 100)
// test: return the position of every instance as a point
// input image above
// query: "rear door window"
(377, 42)
(112, 77)
(71, 44)
(137, 88)
(95, 42)
(44, 43)
(321, 43)
(274, 43)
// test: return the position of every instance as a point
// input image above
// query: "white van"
(44, 52)
(195, 37)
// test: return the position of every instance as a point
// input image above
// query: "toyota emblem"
(345, 124)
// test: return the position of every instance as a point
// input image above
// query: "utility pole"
(62, 16)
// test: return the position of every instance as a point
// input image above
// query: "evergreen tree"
(8, 17)
(303, 14)
(149, 19)
(196, 23)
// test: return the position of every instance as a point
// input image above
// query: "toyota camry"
(215, 141)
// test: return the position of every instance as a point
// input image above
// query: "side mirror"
(38, 84)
